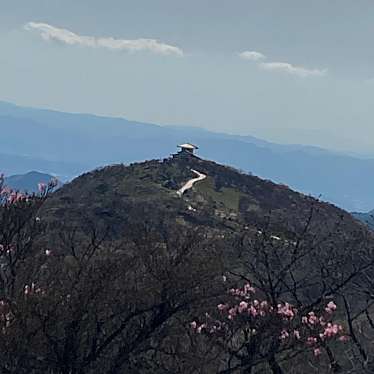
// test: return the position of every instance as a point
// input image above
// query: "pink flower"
(331, 307)
(332, 330)
(42, 187)
(311, 340)
(232, 312)
(242, 307)
(317, 352)
(343, 338)
(222, 307)
(313, 319)
(296, 334)
(286, 311)
(252, 311)
(284, 335)
(15, 197)
(193, 325)
(248, 289)
(200, 328)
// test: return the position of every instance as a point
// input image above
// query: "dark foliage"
(106, 274)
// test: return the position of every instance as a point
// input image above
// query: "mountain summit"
(194, 192)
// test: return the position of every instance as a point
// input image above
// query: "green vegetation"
(228, 197)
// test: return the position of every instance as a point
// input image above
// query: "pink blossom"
(296, 334)
(313, 319)
(286, 311)
(343, 338)
(284, 335)
(242, 307)
(248, 288)
(331, 307)
(332, 330)
(252, 311)
(14, 197)
(42, 187)
(317, 352)
(232, 312)
(311, 340)
(316, 327)
(222, 307)
(200, 328)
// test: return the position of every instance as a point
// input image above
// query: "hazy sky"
(290, 71)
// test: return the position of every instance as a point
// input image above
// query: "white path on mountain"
(191, 182)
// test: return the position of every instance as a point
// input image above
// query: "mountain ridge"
(28, 182)
(226, 198)
(89, 141)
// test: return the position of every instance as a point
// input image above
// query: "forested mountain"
(225, 198)
(182, 265)
(75, 143)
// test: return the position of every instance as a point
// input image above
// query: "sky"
(290, 71)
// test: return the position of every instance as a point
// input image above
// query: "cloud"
(291, 69)
(51, 33)
(252, 55)
(282, 67)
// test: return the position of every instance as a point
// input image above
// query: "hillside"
(133, 227)
(228, 200)
(75, 143)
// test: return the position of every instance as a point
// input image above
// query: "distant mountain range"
(27, 182)
(66, 145)
(367, 218)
